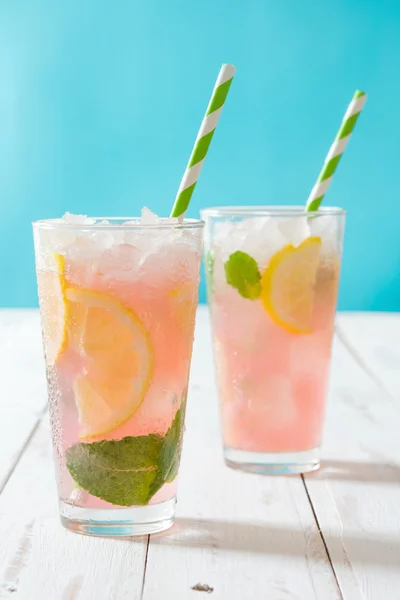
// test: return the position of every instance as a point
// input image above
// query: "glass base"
(118, 522)
(278, 463)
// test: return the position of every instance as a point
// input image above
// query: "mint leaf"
(241, 271)
(172, 446)
(124, 472)
(130, 471)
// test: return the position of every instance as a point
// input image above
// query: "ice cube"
(266, 241)
(258, 237)
(323, 225)
(52, 241)
(170, 259)
(119, 262)
(107, 238)
(78, 219)
(148, 217)
(295, 229)
(56, 241)
(223, 240)
(67, 241)
(85, 248)
(326, 226)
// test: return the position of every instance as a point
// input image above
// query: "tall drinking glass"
(118, 302)
(272, 275)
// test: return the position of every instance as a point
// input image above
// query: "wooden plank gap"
(322, 536)
(145, 567)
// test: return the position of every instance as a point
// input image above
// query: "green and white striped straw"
(203, 141)
(335, 153)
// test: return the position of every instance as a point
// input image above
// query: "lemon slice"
(54, 312)
(117, 356)
(288, 285)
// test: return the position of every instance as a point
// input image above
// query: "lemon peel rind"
(267, 283)
(59, 261)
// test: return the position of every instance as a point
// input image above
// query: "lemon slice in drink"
(288, 285)
(117, 356)
(54, 312)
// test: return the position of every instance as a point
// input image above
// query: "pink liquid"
(165, 301)
(272, 383)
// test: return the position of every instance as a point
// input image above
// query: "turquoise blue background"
(100, 103)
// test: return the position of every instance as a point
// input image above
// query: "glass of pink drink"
(272, 278)
(118, 299)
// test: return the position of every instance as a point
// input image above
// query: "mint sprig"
(129, 471)
(241, 271)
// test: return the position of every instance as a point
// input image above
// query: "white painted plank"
(245, 536)
(23, 383)
(39, 560)
(356, 494)
(376, 339)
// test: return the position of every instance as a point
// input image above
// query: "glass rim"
(270, 211)
(117, 223)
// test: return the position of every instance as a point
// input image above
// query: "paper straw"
(335, 153)
(203, 141)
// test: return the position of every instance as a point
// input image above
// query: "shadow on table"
(272, 540)
(357, 471)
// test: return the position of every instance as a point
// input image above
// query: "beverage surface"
(118, 307)
(272, 286)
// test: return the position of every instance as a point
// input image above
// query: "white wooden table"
(332, 535)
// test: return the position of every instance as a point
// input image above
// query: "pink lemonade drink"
(273, 278)
(118, 299)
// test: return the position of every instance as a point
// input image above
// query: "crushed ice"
(124, 253)
(78, 219)
(148, 217)
(262, 237)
